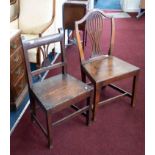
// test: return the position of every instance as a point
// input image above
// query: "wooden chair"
(102, 70)
(57, 92)
(73, 11)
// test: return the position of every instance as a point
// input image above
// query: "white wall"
(130, 5)
(58, 19)
(91, 4)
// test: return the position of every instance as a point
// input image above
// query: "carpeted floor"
(119, 129)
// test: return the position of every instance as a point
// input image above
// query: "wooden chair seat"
(107, 69)
(57, 90)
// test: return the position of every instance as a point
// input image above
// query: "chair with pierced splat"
(103, 69)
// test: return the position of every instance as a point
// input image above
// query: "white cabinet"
(130, 5)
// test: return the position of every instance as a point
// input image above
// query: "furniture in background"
(73, 11)
(142, 4)
(142, 9)
(102, 69)
(12, 1)
(90, 3)
(36, 19)
(130, 5)
(57, 92)
(18, 80)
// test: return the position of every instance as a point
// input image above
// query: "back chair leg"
(68, 36)
(83, 75)
(49, 129)
(84, 39)
(96, 100)
(134, 85)
(33, 107)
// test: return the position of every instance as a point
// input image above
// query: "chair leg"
(49, 129)
(134, 85)
(33, 108)
(89, 111)
(68, 36)
(83, 76)
(84, 38)
(96, 100)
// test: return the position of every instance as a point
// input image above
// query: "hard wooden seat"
(60, 89)
(108, 68)
(57, 92)
(100, 68)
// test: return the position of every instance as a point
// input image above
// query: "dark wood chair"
(101, 68)
(73, 11)
(57, 92)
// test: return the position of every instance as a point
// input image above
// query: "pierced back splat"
(44, 50)
(94, 28)
(96, 22)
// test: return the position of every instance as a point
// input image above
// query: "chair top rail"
(33, 43)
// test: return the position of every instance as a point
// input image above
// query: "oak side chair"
(57, 92)
(103, 69)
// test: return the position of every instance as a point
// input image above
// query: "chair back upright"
(43, 44)
(94, 26)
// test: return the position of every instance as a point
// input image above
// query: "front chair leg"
(134, 86)
(49, 129)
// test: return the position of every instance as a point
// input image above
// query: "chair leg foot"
(132, 105)
(134, 90)
(50, 146)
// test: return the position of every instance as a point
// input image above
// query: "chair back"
(43, 44)
(95, 25)
(36, 15)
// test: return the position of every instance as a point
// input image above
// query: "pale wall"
(130, 5)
